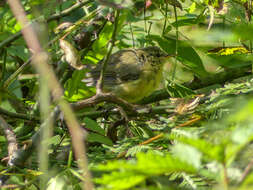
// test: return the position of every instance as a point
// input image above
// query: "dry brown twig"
(11, 138)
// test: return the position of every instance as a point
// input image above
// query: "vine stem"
(225, 176)
(166, 16)
(144, 15)
(176, 48)
(223, 28)
(132, 35)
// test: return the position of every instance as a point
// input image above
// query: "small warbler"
(131, 74)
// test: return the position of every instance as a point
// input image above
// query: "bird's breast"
(135, 90)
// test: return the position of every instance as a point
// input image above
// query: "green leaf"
(248, 182)
(118, 181)
(187, 154)
(73, 84)
(122, 18)
(186, 54)
(244, 31)
(92, 125)
(155, 164)
(18, 50)
(192, 8)
(178, 90)
(99, 45)
(54, 140)
(211, 151)
(233, 60)
(151, 164)
(147, 165)
(94, 137)
(185, 22)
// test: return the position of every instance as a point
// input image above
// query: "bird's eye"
(157, 54)
(142, 57)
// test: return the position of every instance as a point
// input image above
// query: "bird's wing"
(123, 66)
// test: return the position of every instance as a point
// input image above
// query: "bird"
(131, 74)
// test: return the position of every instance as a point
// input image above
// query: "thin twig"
(149, 27)
(4, 66)
(144, 16)
(18, 115)
(102, 97)
(246, 171)
(16, 73)
(132, 35)
(11, 138)
(176, 48)
(166, 17)
(110, 4)
(225, 177)
(69, 10)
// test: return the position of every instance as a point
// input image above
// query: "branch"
(140, 111)
(103, 97)
(11, 138)
(18, 115)
(16, 73)
(212, 79)
(133, 110)
(67, 11)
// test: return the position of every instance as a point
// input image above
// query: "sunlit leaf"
(73, 84)
(99, 45)
(118, 181)
(212, 151)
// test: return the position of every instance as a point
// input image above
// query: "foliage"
(197, 132)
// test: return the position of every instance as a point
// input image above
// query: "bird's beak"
(170, 55)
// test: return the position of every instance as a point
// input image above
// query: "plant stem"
(225, 177)
(132, 35)
(176, 48)
(166, 17)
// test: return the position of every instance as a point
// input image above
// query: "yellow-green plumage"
(131, 74)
